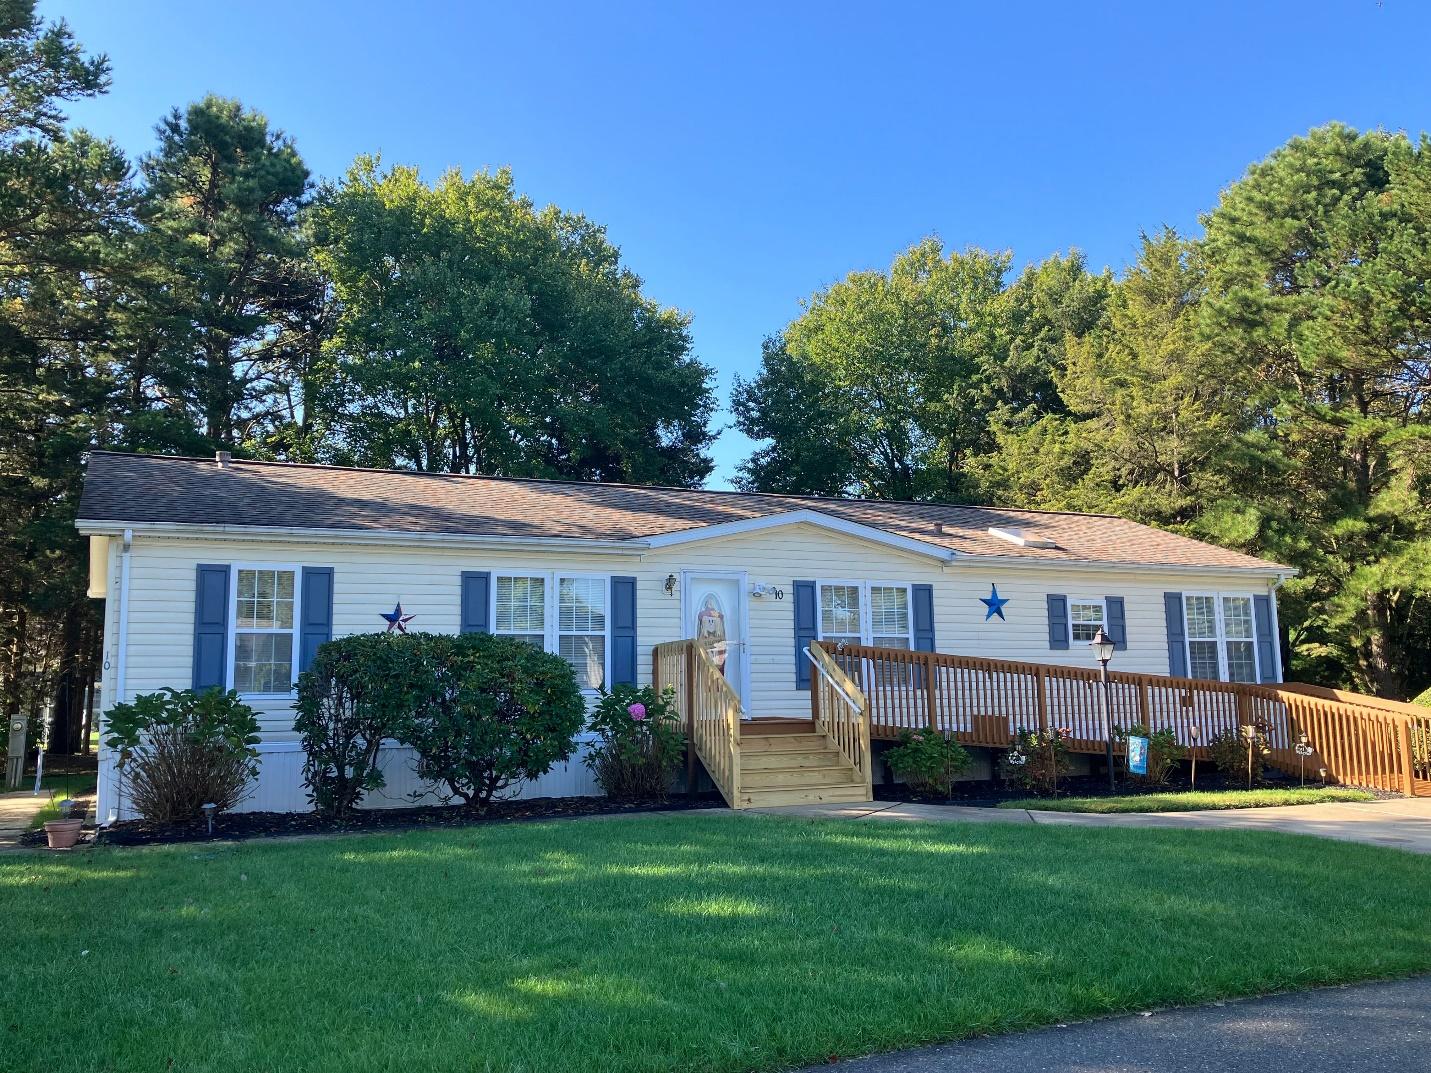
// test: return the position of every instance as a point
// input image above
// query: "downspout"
(121, 665)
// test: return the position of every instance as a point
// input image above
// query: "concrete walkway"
(1401, 822)
(1368, 1028)
(16, 811)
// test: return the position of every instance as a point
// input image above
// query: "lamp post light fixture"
(1103, 648)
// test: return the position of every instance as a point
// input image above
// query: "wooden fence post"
(931, 691)
(688, 657)
(1042, 704)
(1408, 770)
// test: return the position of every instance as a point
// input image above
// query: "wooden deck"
(860, 693)
(1359, 740)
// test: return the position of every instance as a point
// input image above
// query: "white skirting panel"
(280, 782)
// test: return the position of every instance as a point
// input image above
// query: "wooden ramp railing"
(1361, 741)
(709, 709)
(842, 713)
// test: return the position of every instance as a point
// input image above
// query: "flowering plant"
(1045, 758)
(639, 743)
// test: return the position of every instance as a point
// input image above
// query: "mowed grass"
(700, 942)
(1192, 800)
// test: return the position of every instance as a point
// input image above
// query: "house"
(219, 572)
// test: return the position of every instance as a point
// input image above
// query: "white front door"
(715, 615)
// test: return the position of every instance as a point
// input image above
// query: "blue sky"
(743, 156)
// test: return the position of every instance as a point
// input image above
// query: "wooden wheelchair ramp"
(1360, 740)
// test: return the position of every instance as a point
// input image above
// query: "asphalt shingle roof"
(152, 488)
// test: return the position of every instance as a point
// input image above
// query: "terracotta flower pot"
(63, 834)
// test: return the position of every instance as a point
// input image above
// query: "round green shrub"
(498, 712)
(359, 692)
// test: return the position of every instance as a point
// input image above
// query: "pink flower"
(638, 712)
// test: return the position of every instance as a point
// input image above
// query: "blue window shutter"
(1177, 635)
(924, 618)
(1266, 639)
(317, 611)
(806, 621)
(1057, 621)
(1117, 623)
(211, 626)
(623, 631)
(476, 601)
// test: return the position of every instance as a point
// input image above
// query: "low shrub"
(639, 744)
(358, 692)
(1164, 751)
(498, 712)
(1241, 754)
(928, 761)
(1037, 760)
(179, 750)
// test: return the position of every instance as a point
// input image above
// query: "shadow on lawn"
(714, 942)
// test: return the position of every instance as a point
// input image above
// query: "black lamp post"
(1103, 647)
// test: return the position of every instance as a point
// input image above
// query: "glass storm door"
(714, 617)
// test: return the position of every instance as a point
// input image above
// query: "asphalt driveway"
(1369, 1028)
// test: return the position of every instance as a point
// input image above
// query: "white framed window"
(581, 627)
(520, 608)
(263, 629)
(562, 613)
(1086, 614)
(866, 612)
(1221, 636)
(891, 616)
(841, 612)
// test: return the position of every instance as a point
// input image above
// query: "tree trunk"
(15, 660)
(1382, 664)
(69, 692)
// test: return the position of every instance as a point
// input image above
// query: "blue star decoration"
(994, 602)
(397, 620)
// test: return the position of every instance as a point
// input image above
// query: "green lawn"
(696, 942)
(1191, 800)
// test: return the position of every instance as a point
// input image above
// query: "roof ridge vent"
(1019, 537)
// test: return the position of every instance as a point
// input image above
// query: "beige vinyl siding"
(371, 579)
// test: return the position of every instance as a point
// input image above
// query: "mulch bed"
(239, 826)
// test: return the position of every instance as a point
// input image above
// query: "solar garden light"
(1103, 648)
(209, 809)
(1193, 734)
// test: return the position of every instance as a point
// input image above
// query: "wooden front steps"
(785, 762)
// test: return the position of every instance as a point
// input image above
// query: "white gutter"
(1022, 562)
(361, 536)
